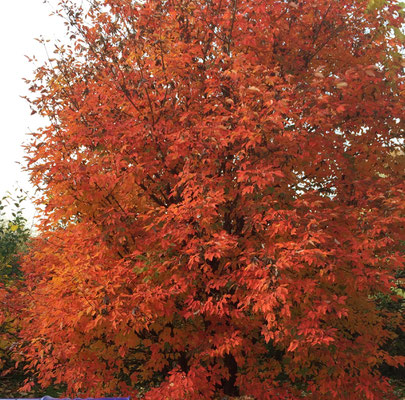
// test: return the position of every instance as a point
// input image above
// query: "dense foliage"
(224, 200)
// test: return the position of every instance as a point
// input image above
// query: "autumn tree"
(224, 200)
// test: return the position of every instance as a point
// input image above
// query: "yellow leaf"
(13, 227)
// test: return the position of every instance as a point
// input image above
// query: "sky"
(21, 22)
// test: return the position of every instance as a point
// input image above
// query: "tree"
(224, 200)
(14, 236)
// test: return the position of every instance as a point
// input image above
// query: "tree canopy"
(224, 200)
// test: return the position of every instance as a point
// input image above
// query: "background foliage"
(14, 236)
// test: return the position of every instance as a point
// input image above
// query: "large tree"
(224, 199)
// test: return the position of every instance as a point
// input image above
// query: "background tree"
(222, 200)
(14, 236)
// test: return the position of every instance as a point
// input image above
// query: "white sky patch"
(21, 22)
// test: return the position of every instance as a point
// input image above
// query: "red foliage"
(224, 200)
